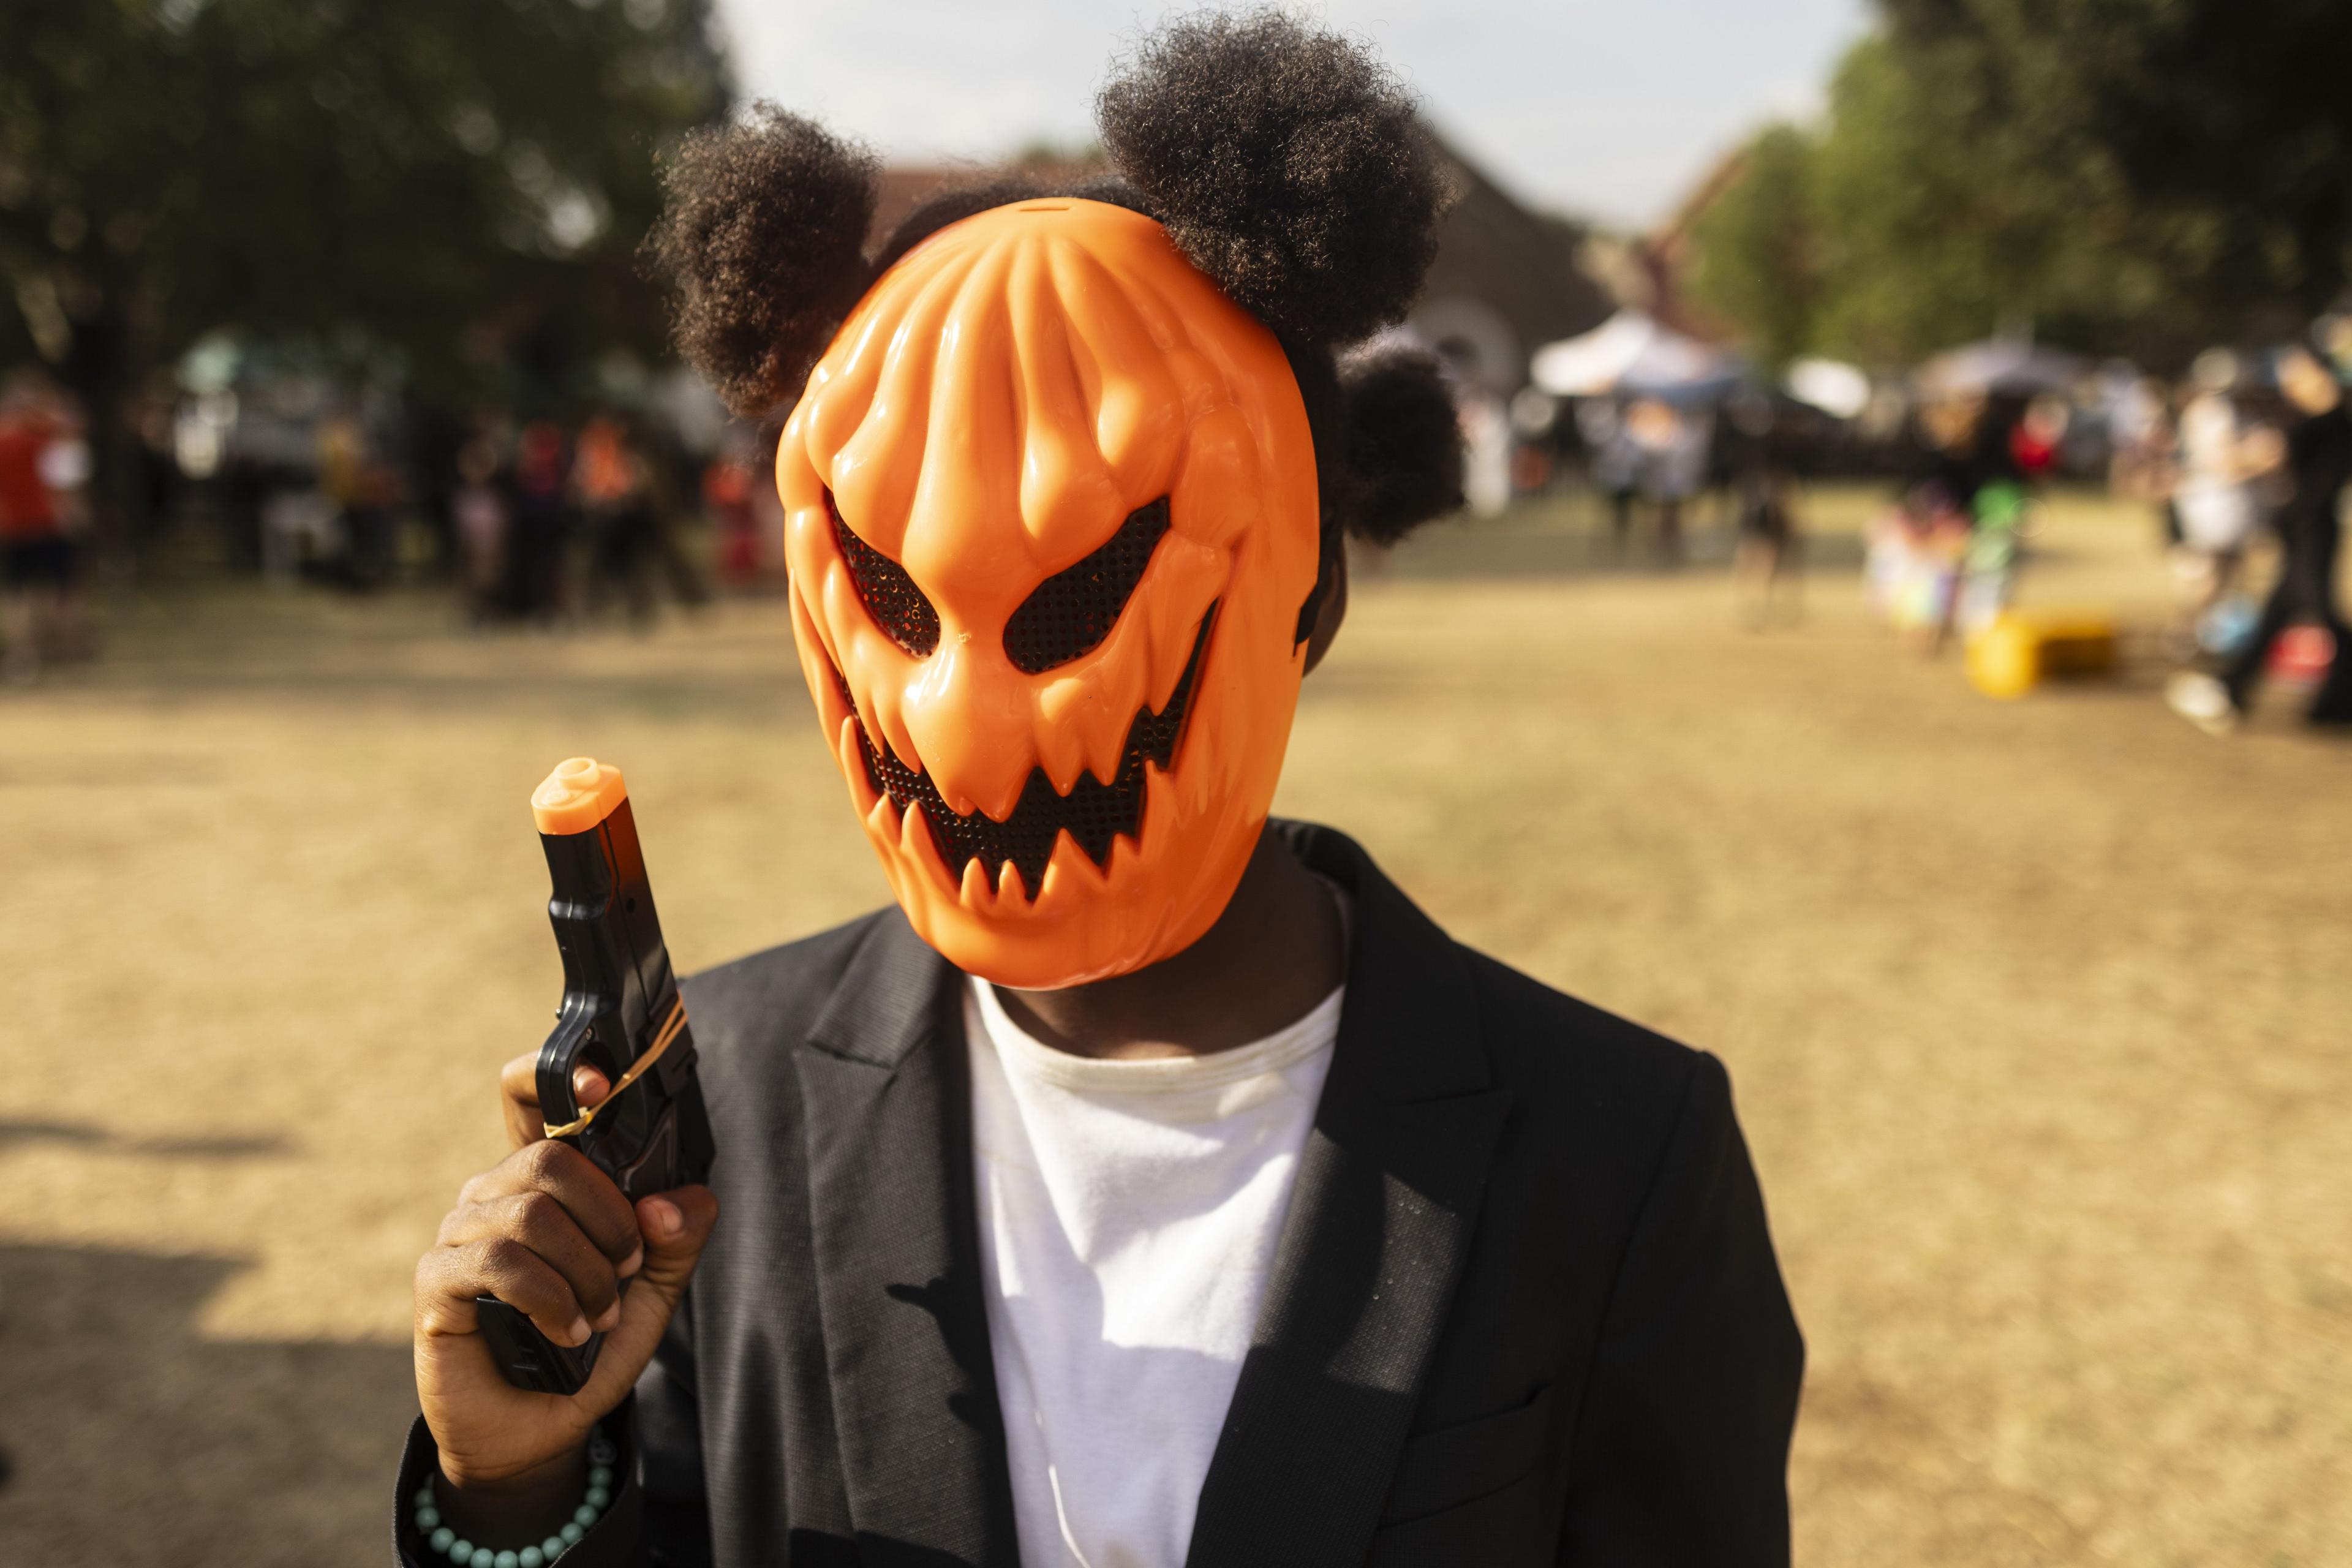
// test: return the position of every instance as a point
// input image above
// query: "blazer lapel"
(906, 1326)
(1379, 1227)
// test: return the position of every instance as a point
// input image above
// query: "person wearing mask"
(1153, 1185)
(2317, 464)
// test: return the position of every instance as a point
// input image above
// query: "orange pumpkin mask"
(1066, 488)
(1050, 516)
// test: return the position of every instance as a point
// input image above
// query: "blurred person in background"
(1616, 464)
(2226, 455)
(730, 484)
(1671, 446)
(44, 477)
(2316, 464)
(2039, 438)
(2145, 463)
(363, 490)
(613, 485)
(539, 526)
(479, 513)
(1916, 547)
(1770, 557)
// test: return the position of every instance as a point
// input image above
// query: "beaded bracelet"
(445, 1542)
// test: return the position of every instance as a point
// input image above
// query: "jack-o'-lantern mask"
(1051, 515)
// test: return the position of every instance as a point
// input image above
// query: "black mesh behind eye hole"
(890, 596)
(1071, 611)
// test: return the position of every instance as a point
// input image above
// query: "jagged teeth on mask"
(975, 891)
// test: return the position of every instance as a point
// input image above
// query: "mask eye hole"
(906, 616)
(1071, 611)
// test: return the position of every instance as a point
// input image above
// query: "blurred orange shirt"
(28, 510)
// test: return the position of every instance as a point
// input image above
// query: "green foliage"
(1758, 247)
(2227, 127)
(456, 181)
(2139, 176)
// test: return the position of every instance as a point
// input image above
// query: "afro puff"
(1404, 441)
(1286, 164)
(763, 235)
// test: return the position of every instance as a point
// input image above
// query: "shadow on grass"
(84, 1135)
(135, 1441)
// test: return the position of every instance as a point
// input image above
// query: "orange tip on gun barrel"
(580, 794)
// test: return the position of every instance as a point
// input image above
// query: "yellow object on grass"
(2022, 648)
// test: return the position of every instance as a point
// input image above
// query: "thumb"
(675, 1225)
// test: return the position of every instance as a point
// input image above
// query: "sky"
(1606, 108)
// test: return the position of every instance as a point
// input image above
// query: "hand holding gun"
(566, 1260)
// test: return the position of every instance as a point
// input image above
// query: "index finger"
(519, 1093)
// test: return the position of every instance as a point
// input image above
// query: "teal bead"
(507, 1560)
(599, 1498)
(530, 1557)
(428, 1518)
(600, 1475)
(484, 1558)
(572, 1534)
(424, 1496)
(443, 1539)
(583, 1515)
(551, 1548)
(462, 1554)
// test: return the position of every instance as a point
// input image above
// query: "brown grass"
(2037, 1011)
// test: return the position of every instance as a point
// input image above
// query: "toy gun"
(621, 1015)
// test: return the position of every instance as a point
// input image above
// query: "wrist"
(529, 1517)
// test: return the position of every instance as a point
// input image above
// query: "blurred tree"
(1758, 247)
(2224, 128)
(2139, 177)
(461, 183)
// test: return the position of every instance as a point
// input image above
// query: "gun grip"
(528, 1358)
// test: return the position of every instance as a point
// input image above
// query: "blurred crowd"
(535, 522)
(550, 523)
(2254, 450)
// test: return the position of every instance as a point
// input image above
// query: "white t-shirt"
(1128, 1211)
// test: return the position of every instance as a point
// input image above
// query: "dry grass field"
(2039, 1015)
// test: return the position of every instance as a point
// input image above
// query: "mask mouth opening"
(1094, 813)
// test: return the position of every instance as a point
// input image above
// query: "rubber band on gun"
(671, 1028)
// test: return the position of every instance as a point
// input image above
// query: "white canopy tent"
(1634, 354)
(1997, 365)
(1839, 390)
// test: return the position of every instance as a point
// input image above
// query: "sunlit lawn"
(2037, 1012)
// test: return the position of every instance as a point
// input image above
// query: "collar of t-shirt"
(1128, 1213)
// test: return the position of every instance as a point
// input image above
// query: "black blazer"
(1524, 1309)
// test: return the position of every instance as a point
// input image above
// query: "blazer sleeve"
(1681, 1449)
(658, 1518)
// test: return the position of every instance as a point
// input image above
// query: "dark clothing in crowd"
(1524, 1310)
(624, 549)
(538, 525)
(2311, 533)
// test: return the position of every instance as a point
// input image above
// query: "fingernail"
(662, 1219)
(610, 1321)
(580, 1330)
(634, 1261)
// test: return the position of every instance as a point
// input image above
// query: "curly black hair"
(762, 234)
(1284, 160)
(1404, 441)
